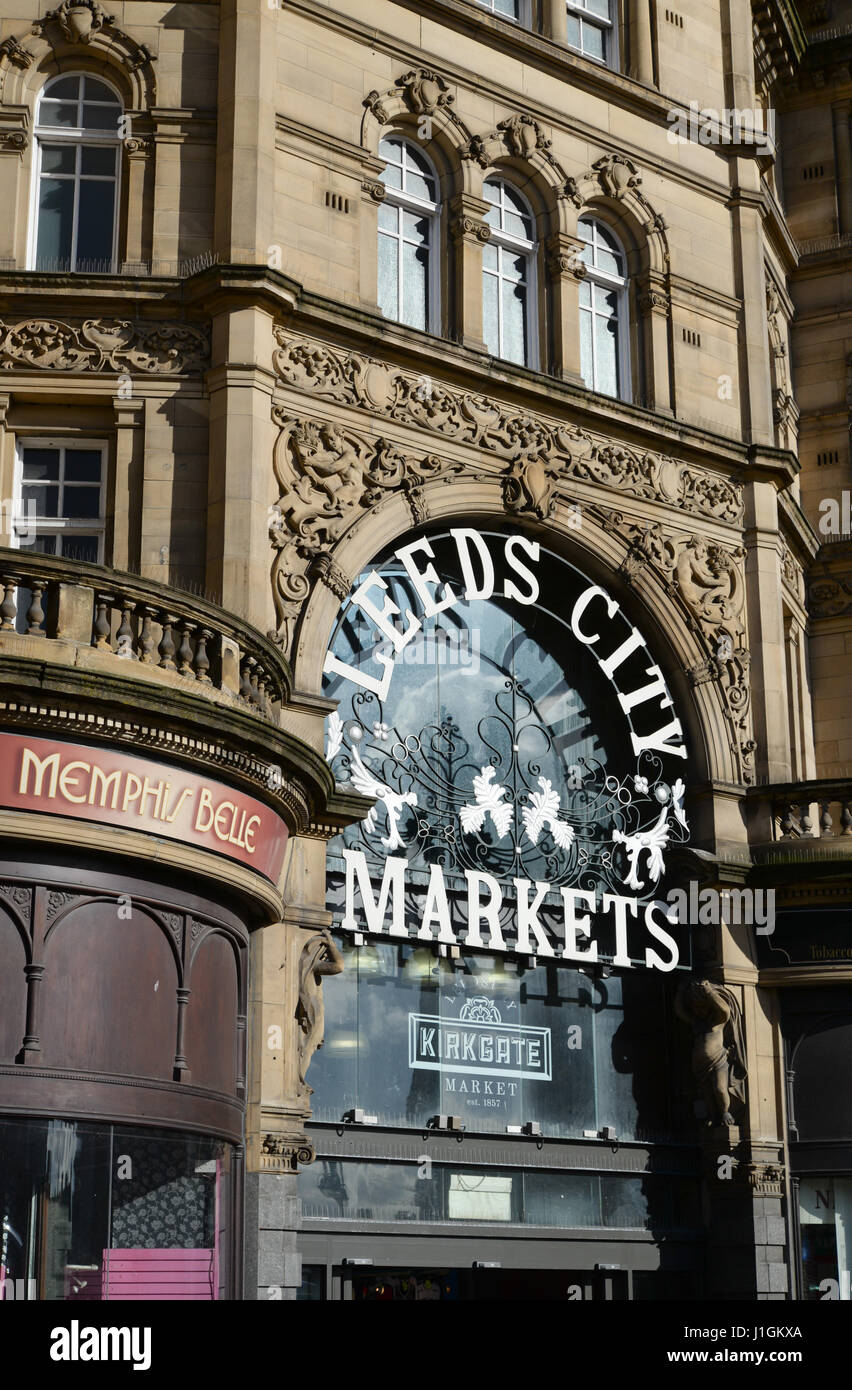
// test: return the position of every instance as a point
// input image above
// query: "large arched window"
(408, 237)
(508, 270)
(75, 205)
(604, 346)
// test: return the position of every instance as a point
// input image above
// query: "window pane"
(95, 222)
(598, 7)
(418, 176)
(415, 263)
(609, 252)
(514, 322)
(507, 7)
(96, 160)
(45, 499)
(55, 213)
(388, 287)
(80, 548)
(99, 91)
(573, 31)
(58, 113)
(63, 87)
(490, 320)
(42, 544)
(81, 501)
(587, 370)
(415, 228)
(58, 159)
(586, 294)
(101, 117)
(514, 267)
(388, 217)
(41, 464)
(391, 150)
(489, 256)
(593, 41)
(607, 356)
(83, 466)
(517, 220)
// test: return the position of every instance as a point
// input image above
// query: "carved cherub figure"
(319, 957)
(718, 1048)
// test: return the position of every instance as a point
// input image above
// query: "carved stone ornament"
(11, 50)
(13, 141)
(282, 1153)
(565, 257)
(101, 345)
(763, 1179)
(423, 91)
(829, 593)
(327, 478)
(616, 174)
(519, 135)
(464, 226)
(79, 19)
(501, 432)
(714, 1017)
(708, 581)
(320, 956)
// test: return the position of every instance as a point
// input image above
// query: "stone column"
(13, 149)
(565, 268)
(129, 442)
(139, 166)
(245, 154)
(641, 42)
(768, 669)
(553, 19)
(654, 309)
(240, 478)
(843, 154)
(754, 364)
(469, 233)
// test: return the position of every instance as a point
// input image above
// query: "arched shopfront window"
(75, 204)
(409, 246)
(508, 269)
(604, 342)
(498, 748)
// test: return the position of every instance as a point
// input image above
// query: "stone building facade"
(283, 291)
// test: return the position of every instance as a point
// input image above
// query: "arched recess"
(648, 596)
(212, 1034)
(78, 38)
(15, 955)
(120, 1014)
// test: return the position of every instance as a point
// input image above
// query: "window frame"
(621, 284)
(409, 202)
(523, 19)
(507, 241)
(60, 525)
(74, 137)
(609, 28)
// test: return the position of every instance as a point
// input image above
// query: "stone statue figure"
(319, 957)
(718, 1045)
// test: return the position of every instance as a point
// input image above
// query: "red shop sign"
(96, 784)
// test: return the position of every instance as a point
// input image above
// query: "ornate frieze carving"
(709, 581)
(103, 345)
(327, 477)
(509, 436)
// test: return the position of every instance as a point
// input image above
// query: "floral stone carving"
(100, 345)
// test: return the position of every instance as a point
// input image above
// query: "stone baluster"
(826, 823)
(255, 693)
(103, 605)
(35, 612)
(806, 822)
(8, 608)
(166, 648)
(124, 636)
(184, 653)
(846, 819)
(788, 822)
(202, 660)
(146, 636)
(245, 686)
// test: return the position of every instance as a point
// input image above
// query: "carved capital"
(11, 50)
(565, 256)
(282, 1153)
(467, 228)
(374, 189)
(13, 141)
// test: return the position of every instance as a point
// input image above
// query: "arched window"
(508, 272)
(604, 350)
(408, 237)
(75, 213)
(591, 29)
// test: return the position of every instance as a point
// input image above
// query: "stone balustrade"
(813, 810)
(46, 598)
